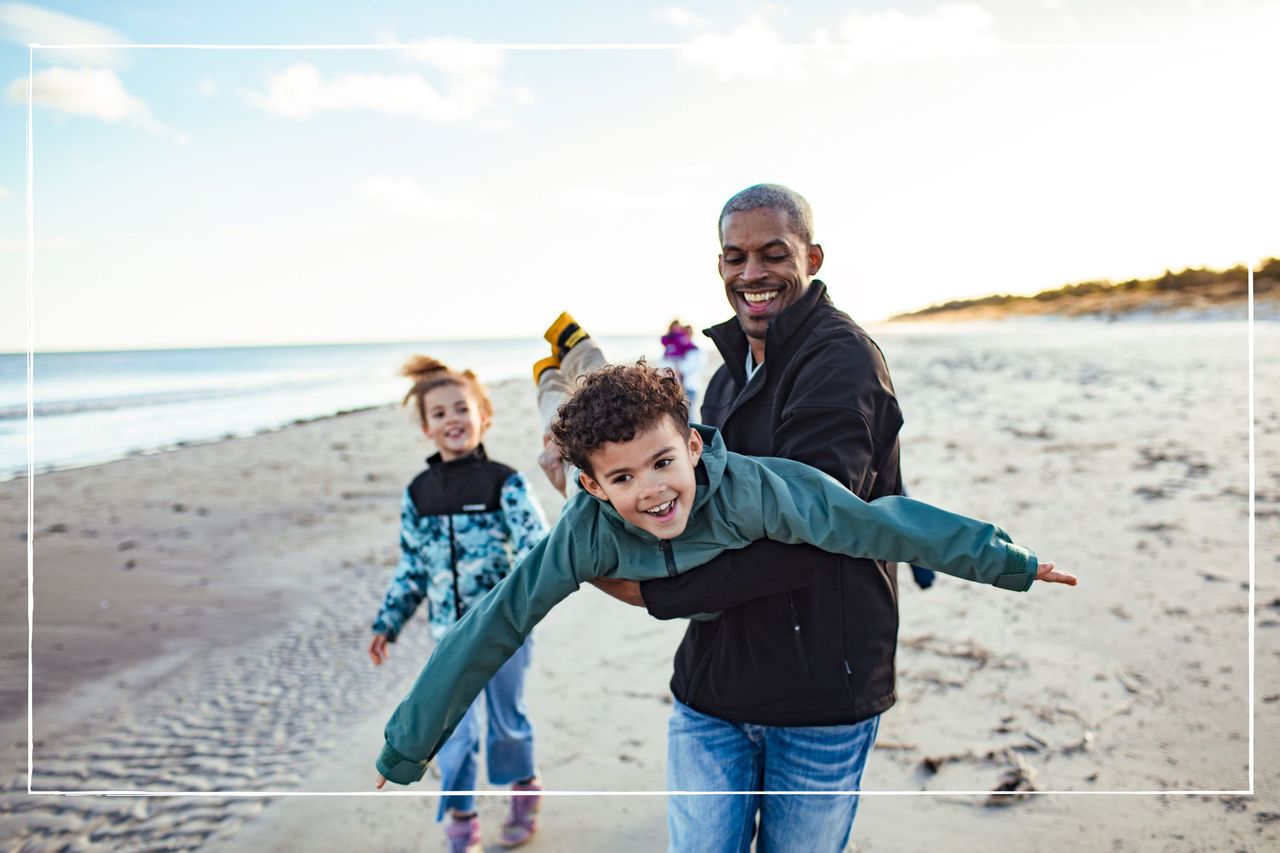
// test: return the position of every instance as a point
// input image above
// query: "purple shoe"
(463, 836)
(522, 821)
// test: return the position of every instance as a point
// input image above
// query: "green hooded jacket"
(746, 498)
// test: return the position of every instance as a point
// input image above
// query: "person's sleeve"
(762, 568)
(808, 506)
(833, 417)
(409, 584)
(522, 514)
(479, 644)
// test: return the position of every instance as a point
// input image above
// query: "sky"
(470, 170)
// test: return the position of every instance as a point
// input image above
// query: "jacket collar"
(477, 455)
(710, 472)
(732, 341)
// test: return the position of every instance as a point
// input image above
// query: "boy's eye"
(621, 478)
(663, 463)
(733, 259)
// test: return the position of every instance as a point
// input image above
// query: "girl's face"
(453, 421)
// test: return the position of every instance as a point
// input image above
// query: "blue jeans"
(706, 753)
(509, 746)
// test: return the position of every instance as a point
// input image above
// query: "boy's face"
(649, 479)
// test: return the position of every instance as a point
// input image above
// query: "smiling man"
(784, 691)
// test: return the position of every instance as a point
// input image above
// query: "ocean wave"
(53, 408)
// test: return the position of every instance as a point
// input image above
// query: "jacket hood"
(732, 341)
(711, 465)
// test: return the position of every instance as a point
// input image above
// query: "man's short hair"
(776, 197)
(613, 404)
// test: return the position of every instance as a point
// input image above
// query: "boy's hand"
(382, 780)
(628, 592)
(1046, 573)
(551, 463)
(378, 651)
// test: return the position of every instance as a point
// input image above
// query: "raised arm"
(476, 648)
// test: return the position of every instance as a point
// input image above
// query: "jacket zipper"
(795, 633)
(453, 567)
(848, 670)
(665, 546)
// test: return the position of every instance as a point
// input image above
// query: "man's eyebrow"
(654, 458)
(729, 247)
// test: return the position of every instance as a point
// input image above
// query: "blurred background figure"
(682, 355)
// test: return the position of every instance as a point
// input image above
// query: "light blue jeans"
(706, 753)
(508, 747)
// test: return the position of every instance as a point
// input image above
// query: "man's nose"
(753, 269)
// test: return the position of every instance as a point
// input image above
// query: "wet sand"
(201, 616)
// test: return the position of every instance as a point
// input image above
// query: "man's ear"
(695, 445)
(816, 257)
(592, 487)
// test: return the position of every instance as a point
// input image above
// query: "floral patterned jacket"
(463, 525)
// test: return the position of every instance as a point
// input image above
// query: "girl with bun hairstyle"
(465, 521)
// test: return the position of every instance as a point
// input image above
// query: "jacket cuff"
(1020, 567)
(394, 767)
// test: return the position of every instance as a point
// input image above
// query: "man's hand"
(628, 592)
(378, 650)
(382, 780)
(1046, 573)
(551, 463)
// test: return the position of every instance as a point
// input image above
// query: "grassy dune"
(1180, 292)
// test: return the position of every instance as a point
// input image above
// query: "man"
(784, 690)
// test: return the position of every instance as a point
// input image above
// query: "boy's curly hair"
(613, 404)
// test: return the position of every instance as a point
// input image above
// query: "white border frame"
(564, 47)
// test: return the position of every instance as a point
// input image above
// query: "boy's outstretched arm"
(474, 649)
(801, 504)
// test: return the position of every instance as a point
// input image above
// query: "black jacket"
(806, 637)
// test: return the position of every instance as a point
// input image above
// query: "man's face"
(649, 479)
(765, 266)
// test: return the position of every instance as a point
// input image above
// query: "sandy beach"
(201, 617)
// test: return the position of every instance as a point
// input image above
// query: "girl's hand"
(382, 780)
(1046, 573)
(378, 652)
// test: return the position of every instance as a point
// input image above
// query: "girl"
(464, 523)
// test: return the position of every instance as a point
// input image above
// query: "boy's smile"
(650, 479)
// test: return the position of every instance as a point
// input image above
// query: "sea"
(94, 407)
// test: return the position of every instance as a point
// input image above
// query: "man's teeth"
(661, 508)
(760, 297)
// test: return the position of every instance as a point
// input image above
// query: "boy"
(661, 498)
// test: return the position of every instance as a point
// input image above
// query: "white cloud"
(23, 23)
(301, 90)
(947, 32)
(753, 49)
(208, 87)
(4, 192)
(678, 16)
(756, 49)
(403, 196)
(94, 92)
(458, 58)
(592, 200)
